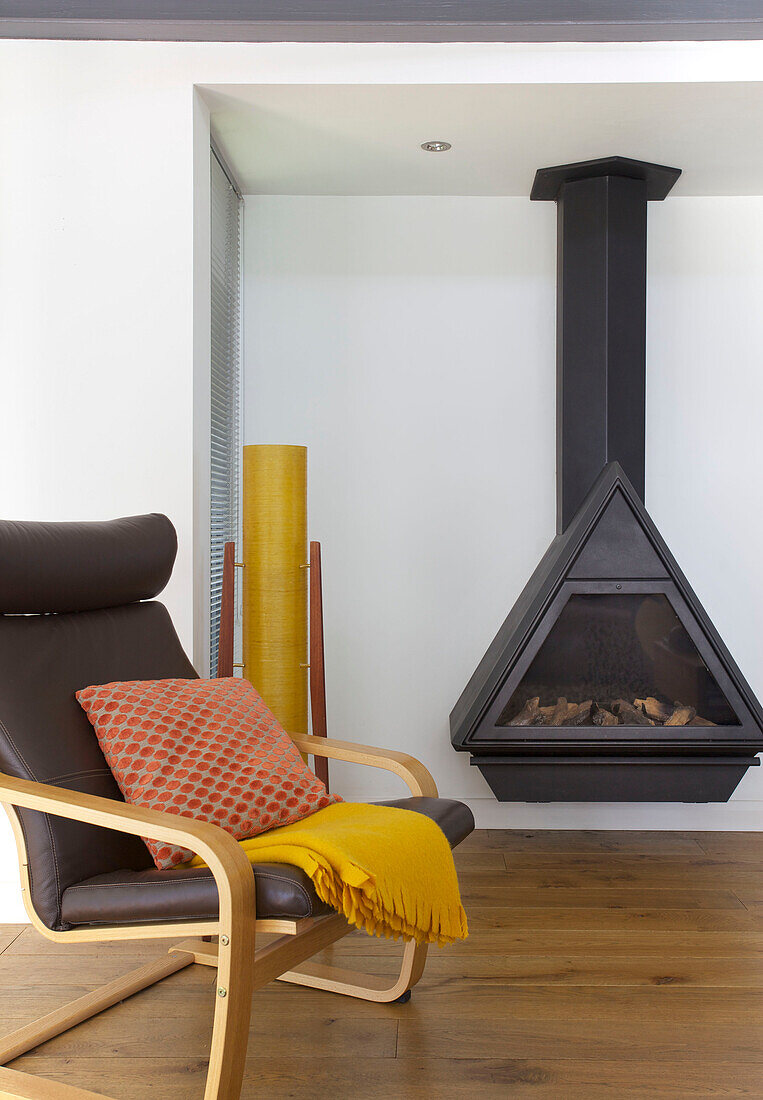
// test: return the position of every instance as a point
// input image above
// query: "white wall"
(100, 259)
(409, 342)
(96, 299)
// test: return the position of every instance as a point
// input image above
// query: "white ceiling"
(364, 139)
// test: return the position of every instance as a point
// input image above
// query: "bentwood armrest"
(411, 770)
(216, 847)
(227, 862)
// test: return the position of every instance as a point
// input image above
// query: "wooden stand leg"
(317, 660)
(368, 987)
(227, 613)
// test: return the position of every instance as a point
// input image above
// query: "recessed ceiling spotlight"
(435, 146)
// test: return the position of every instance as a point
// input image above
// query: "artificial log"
(600, 716)
(641, 712)
(579, 714)
(630, 715)
(654, 709)
(529, 715)
(555, 714)
(559, 712)
(681, 716)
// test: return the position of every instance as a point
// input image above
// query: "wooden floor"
(598, 965)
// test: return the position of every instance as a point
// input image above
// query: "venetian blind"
(225, 385)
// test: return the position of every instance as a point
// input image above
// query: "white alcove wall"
(410, 344)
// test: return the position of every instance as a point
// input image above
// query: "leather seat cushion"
(136, 897)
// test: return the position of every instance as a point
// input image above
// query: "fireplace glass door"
(618, 659)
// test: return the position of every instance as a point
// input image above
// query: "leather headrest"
(83, 566)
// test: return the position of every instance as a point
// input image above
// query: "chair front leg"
(233, 993)
(233, 877)
(230, 1034)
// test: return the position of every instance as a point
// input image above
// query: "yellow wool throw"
(389, 871)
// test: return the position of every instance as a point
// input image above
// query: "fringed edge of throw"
(381, 913)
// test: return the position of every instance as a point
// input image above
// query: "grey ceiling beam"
(384, 20)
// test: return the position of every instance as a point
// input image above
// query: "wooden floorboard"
(599, 965)
(751, 897)
(8, 935)
(577, 840)
(427, 1078)
(484, 888)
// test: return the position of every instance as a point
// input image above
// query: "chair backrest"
(75, 610)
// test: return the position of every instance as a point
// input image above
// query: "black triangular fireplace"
(607, 681)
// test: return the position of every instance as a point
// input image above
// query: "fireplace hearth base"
(613, 779)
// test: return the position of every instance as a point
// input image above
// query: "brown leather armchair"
(76, 608)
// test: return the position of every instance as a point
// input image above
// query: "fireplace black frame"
(596, 763)
(736, 737)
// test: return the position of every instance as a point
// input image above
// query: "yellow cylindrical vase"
(275, 579)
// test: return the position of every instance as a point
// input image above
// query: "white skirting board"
(739, 815)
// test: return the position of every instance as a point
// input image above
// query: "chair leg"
(24, 1086)
(62, 1019)
(229, 1036)
(367, 987)
(233, 1007)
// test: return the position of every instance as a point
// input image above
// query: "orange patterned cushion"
(207, 749)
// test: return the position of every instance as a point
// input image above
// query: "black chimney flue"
(601, 318)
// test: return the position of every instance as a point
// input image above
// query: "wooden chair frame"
(241, 968)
